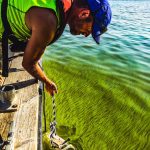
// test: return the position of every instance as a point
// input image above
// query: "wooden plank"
(26, 125)
(5, 118)
(25, 116)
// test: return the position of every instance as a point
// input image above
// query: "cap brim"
(96, 33)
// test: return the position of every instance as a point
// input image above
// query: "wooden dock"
(20, 122)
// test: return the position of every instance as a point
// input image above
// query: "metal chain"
(53, 124)
(53, 131)
(54, 109)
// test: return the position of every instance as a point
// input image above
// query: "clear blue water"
(104, 90)
(125, 46)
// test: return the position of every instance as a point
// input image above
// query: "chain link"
(53, 124)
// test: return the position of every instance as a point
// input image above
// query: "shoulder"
(42, 22)
(37, 17)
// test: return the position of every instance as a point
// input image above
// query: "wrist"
(46, 80)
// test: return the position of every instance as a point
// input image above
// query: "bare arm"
(43, 26)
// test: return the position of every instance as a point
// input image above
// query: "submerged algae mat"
(104, 91)
(99, 110)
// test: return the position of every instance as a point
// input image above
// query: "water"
(104, 90)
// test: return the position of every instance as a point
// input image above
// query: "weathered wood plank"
(25, 117)
(26, 125)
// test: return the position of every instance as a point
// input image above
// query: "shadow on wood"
(23, 84)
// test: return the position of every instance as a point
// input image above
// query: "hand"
(51, 88)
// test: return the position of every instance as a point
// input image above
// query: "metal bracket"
(61, 144)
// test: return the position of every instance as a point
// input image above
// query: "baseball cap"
(101, 12)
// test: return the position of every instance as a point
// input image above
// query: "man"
(39, 21)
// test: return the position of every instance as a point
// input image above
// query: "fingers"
(51, 88)
(53, 92)
(54, 89)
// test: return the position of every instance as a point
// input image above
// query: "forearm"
(36, 71)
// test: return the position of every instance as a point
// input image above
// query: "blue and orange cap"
(101, 12)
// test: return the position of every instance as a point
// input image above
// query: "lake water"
(104, 90)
